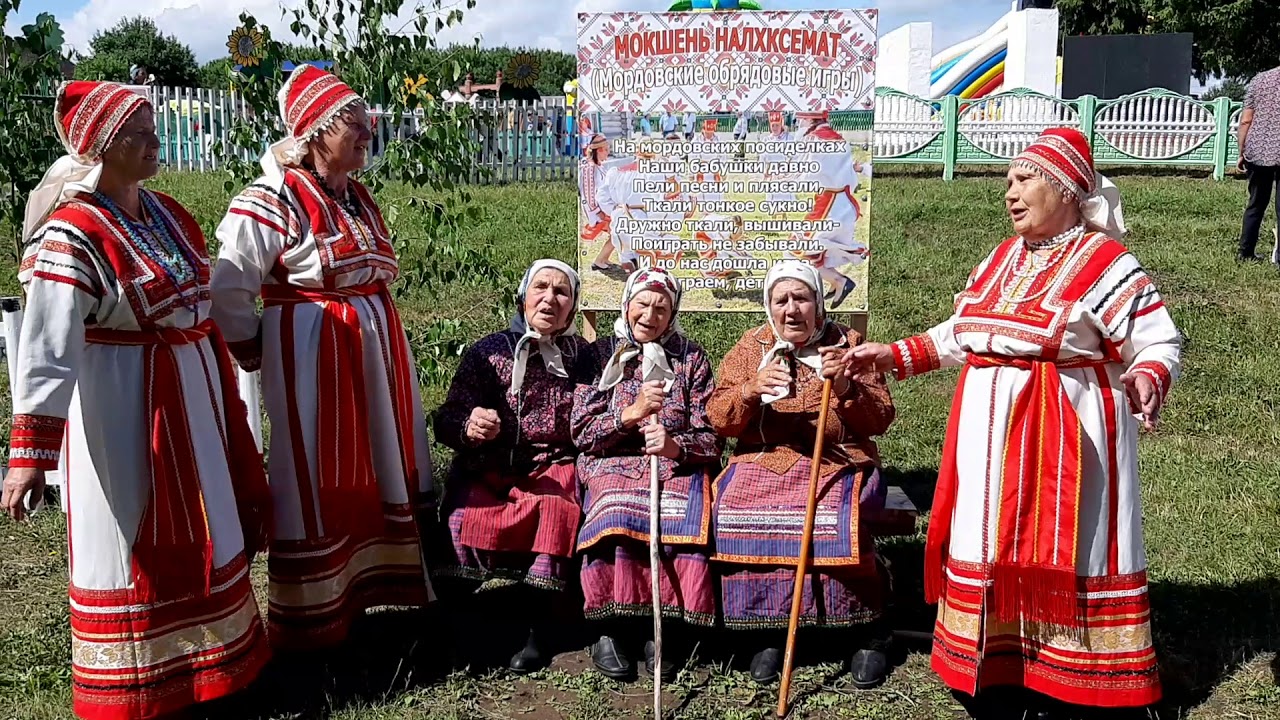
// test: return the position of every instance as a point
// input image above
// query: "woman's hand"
(17, 483)
(833, 368)
(867, 357)
(658, 442)
(773, 379)
(1143, 397)
(483, 425)
(648, 402)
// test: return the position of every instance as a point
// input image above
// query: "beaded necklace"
(1029, 266)
(350, 203)
(350, 209)
(156, 242)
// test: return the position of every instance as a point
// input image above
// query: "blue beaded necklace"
(156, 242)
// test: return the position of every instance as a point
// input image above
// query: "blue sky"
(204, 24)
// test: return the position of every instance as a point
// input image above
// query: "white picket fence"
(519, 140)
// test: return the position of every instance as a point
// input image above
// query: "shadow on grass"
(1204, 634)
(388, 653)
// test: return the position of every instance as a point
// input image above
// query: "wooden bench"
(899, 516)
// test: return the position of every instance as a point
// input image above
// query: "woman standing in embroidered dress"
(1035, 551)
(511, 499)
(649, 368)
(124, 382)
(767, 396)
(349, 463)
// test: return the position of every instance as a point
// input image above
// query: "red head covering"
(710, 125)
(1063, 157)
(310, 100)
(822, 115)
(88, 114)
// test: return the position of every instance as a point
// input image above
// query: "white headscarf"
(808, 353)
(1102, 209)
(546, 344)
(654, 366)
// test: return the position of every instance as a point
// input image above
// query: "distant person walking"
(1259, 155)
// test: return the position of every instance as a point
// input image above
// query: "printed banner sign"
(716, 143)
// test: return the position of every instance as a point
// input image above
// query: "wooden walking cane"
(655, 570)
(806, 542)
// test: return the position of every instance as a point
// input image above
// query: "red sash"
(175, 523)
(350, 502)
(823, 201)
(1037, 533)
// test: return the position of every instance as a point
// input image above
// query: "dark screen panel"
(1109, 66)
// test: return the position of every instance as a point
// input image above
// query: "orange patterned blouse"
(778, 435)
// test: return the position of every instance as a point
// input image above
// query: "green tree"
(30, 62)
(1233, 88)
(216, 74)
(137, 41)
(1232, 39)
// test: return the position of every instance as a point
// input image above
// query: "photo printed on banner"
(715, 144)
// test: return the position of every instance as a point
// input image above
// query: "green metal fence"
(1151, 128)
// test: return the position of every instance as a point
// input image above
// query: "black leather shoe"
(766, 665)
(530, 658)
(610, 660)
(669, 667)
(868, 668)
(845, 289)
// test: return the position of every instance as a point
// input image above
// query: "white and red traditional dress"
(835, 202)
(1040, 473)
(619, 196)
(590, 175)
(705, 152)
(349, 464)
(124, 383)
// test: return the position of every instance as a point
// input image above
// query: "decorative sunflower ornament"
(522, 71)
(245, 46)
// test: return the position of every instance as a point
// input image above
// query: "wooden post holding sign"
(761, 151)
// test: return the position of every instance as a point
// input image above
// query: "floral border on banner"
(752, 42)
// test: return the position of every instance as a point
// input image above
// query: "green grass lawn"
(1211, 481)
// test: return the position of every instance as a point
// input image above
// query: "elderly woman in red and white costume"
(349, 463)
(1035, 550)
(123, 381)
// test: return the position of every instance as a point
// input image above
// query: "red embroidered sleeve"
(36, 441)
(1159, 375)
(915, 355)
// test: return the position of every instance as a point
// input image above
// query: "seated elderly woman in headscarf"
(650, 399)
(767, 395)
(511, 498)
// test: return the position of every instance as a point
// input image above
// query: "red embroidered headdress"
(310, 101)
(87, 115)
(1062, 156)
